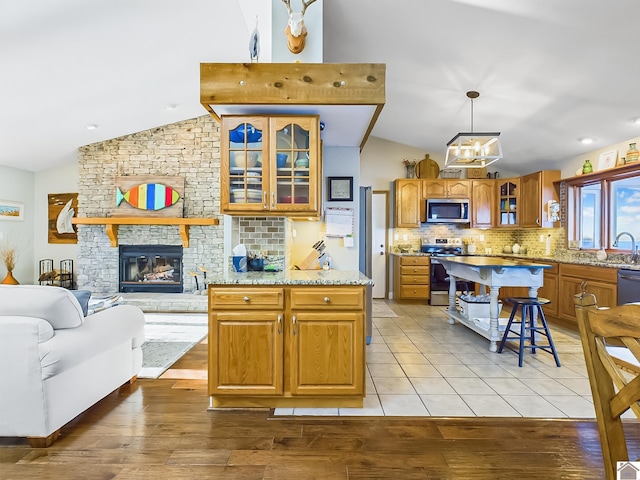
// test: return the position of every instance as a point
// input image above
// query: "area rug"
(167, 338)
(381, 309)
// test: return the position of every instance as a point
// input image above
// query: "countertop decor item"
(9, 255)
(632, 154)
(601, 255)
(410, 166)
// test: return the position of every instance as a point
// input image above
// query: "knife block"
(310, 262)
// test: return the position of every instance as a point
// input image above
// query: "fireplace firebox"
(151, 268)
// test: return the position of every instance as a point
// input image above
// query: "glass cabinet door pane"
(245, 164)
(292, 158)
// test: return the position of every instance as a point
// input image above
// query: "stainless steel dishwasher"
(628, 286)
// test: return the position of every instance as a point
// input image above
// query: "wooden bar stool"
(528, 327)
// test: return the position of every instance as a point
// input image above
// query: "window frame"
(605, 178)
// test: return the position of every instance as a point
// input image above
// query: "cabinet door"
(508, 203)
(530, 202)
(294, 155)
(326, 353)
(434, 189)
(483, 203)
(458, 188)
(606, 295)
(246, 353)
(408, 200)
(550, 291)
(244, 172)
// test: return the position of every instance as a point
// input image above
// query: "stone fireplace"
(150, 268)
(189, 149)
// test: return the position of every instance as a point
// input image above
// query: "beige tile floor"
(418, 364)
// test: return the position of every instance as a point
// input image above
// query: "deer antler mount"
(296, 30)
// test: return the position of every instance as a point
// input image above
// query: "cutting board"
(427, 168)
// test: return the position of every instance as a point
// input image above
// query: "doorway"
(379, 242)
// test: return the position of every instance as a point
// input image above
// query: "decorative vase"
(10, 279)
(411, 170)
(587, 167)
(632, 154)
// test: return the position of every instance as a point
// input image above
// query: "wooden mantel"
(112, 223)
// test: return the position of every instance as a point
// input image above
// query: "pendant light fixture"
(471, 149)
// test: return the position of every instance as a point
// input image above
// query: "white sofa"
(55, 363)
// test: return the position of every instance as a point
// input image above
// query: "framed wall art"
(11, 210)
(607, 160)
(62, 208)
(340, 189)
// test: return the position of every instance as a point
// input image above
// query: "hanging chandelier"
(471, 149)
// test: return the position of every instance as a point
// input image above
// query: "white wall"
(337, 162)
(62, 179)
(17, 186)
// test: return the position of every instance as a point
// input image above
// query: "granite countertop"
(544, 258)
(292, 277)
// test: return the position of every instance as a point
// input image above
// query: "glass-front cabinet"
(508, 203)
(270, 165)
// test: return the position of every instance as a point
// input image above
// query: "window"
(603, 205)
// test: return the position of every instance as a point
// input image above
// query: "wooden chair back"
(611, 345)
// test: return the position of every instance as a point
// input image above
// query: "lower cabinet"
(548, 290)
(411, 276)
(286, 346)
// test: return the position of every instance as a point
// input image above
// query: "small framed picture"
(11, 210)
(340, 189)
(607, 159)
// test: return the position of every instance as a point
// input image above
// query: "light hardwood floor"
(162, 429)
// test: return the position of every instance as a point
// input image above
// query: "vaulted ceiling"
(549, 72)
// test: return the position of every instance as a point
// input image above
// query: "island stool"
(528, 327)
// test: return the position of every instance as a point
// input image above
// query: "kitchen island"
(493, 272)
(287, 339)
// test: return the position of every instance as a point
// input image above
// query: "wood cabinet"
(411, 277)
(508, 197)
(483, 203)
(600, 281)
(548, 290)
(408, 199)
(270, 165)
(536, 190)
(286, 346)
(446, 188)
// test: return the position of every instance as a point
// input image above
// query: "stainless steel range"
(439, 282)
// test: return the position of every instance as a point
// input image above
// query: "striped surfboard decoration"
(148, 196)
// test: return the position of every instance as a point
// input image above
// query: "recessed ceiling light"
(171, 106)
(636, 121)
(92, 126)
(587, 140)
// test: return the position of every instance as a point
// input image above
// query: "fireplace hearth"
(151, 268)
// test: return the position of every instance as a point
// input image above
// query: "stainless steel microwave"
(447, 210)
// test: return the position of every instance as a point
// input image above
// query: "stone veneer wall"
(190, 149)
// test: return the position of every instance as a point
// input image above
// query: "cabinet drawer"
(587, 272)
(414, 279)
(327, 298)
(415, 261)
(250, 298)
(414, 291)
(417, 270)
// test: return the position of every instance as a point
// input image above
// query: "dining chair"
(611, 345)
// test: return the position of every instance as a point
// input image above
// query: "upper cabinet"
(508, 203)
(536, 190)
(446, 188)
(408, 203)
(270, 165)
(483, 203)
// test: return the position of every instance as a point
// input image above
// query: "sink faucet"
(634, 251)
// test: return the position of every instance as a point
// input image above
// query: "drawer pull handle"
(294, 325)
(279, 324)
(326, 299)
(246, 299)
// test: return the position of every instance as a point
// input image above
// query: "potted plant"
(9, 255)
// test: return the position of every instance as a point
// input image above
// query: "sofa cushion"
(56, 305)
(83, 298)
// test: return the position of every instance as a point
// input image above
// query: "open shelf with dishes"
(270, 165)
